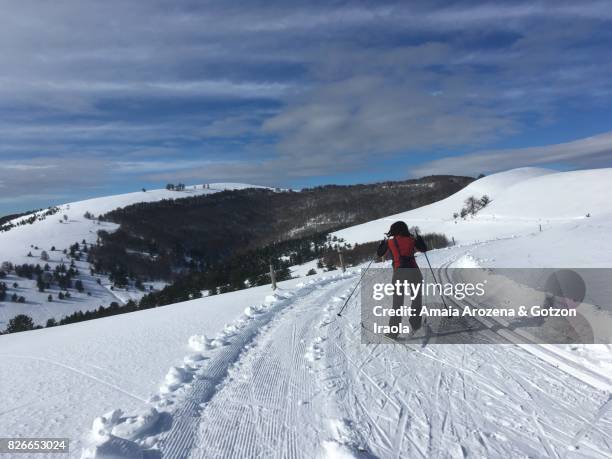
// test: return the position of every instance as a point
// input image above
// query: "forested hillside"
(162, 239)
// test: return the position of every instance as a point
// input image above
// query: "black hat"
(398, 229)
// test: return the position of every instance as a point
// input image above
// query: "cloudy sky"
(104, 97)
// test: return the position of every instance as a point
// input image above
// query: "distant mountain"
(156, 239)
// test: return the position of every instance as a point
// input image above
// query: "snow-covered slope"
(55, 230)
(59, 231)
(248, 374)
(283, 375)
(57, 380)
(522, 200)
(561, 195)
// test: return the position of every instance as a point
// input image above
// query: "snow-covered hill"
(256, 374)
(560, 195)
(69, 225)
(25, 244)
(522, 200)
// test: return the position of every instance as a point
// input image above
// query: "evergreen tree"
(20, 323)
(40, 283)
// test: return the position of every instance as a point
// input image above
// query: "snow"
(40, 309)
(561, 195)
(93, 367)
(302, 270)
(199, 343)
(522, 200)
(55, 231)
(127, 361)
(256, 373)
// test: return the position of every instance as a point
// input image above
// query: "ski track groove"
(253, 411)
(591, 424)
(253, 416)
(497, 393)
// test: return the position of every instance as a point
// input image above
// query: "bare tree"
(472, 205)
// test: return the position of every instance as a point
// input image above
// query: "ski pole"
(339, 314)
(433, 274)
(434, 277)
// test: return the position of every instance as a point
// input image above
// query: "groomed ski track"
(299, 384)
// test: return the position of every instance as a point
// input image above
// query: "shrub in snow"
(472, 206)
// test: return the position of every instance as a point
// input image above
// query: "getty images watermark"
(473, 305)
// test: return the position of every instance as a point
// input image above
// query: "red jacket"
(402, 248)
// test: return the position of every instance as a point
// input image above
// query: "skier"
(402, 246)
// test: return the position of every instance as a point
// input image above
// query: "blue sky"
(106, 97)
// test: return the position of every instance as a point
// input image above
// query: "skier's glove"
(382, 248)
(420, 244)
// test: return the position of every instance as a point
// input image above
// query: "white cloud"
(36, 177)
(41, 197)
(296, 89)
(397, 106)
(588, 152)
(25, 167)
